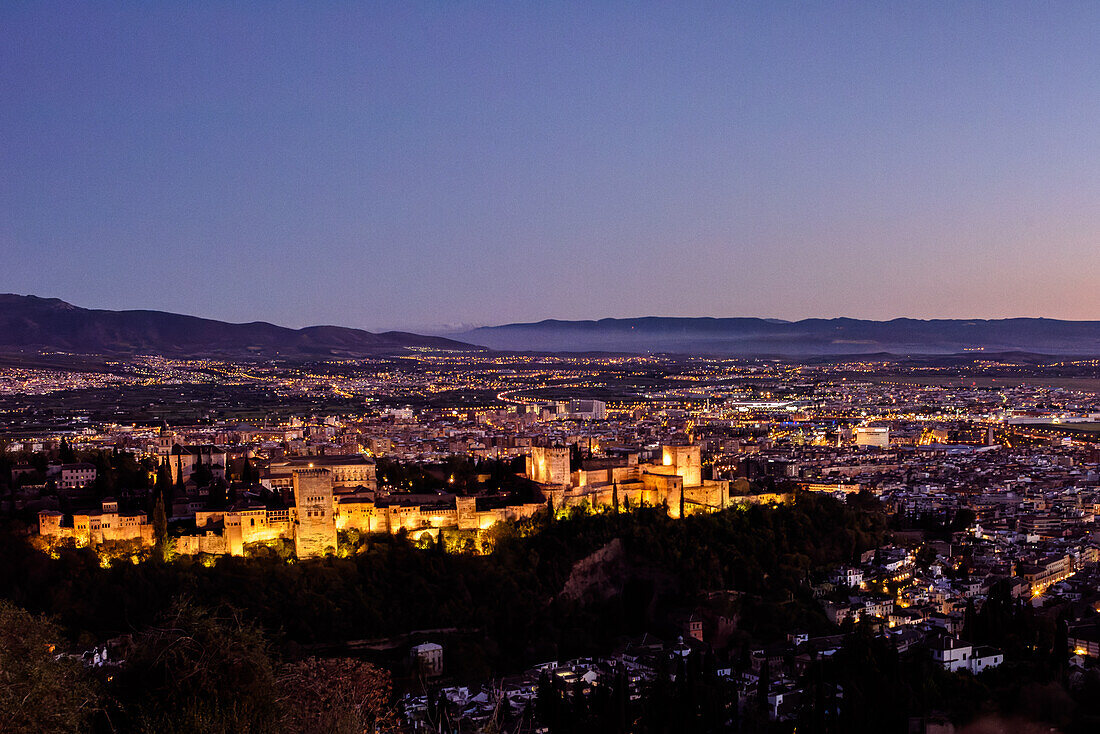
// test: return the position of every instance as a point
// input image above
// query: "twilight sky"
(408, 165)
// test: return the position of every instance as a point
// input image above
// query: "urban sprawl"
(988, 473)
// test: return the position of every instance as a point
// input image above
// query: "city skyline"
(425, 166)
(443, 367)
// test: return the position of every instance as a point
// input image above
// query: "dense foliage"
(548, 588)
(388, 586)
(193, 670)
(510, 606)
(38, 691)
(336, 696)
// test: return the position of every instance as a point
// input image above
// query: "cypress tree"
(970, 622)
(763, 685)
(621, 701)
(1060, 651)
(179, 474)
(160, 529)
(162, 488)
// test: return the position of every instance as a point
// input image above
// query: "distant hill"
(30, 323)
(810, 337)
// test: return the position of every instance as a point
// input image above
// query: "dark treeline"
(942, 523)
(460, 475)
(119, 474)
(512, 611)
(192, 670)
(512, 596)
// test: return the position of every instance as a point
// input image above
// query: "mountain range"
(809, 337)
(29, 323)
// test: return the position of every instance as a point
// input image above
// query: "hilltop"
(29, 323)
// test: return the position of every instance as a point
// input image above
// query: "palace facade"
(320, 510)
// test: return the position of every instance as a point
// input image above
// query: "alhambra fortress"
(327, 494)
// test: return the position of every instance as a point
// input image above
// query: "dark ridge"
(810, 337)
(29, 323)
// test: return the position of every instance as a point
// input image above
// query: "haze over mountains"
(30, 323)
(810, 337)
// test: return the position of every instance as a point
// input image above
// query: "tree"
(198, 670)
(218, 494)
(65, 452)
(160, 530)
(203, 475)
(970, 621)
(615, 496)
(763, 685)
(339, 695)
(38, 691)
(1060, 650)
(162, 487)
(180, 487)
(963, 519)
(576, 458)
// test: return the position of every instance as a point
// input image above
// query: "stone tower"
(686, 461)
(549, 466)
(315, 529)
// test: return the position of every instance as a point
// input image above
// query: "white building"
(955, 655)
(587, 409)
(427, 658)
(848, 576)
(873, 436)
(76, 476)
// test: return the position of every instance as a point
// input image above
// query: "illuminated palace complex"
(325, 502)
(677, 481)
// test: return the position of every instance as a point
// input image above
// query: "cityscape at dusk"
(549, 368)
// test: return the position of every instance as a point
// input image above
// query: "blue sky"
(412, 165)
